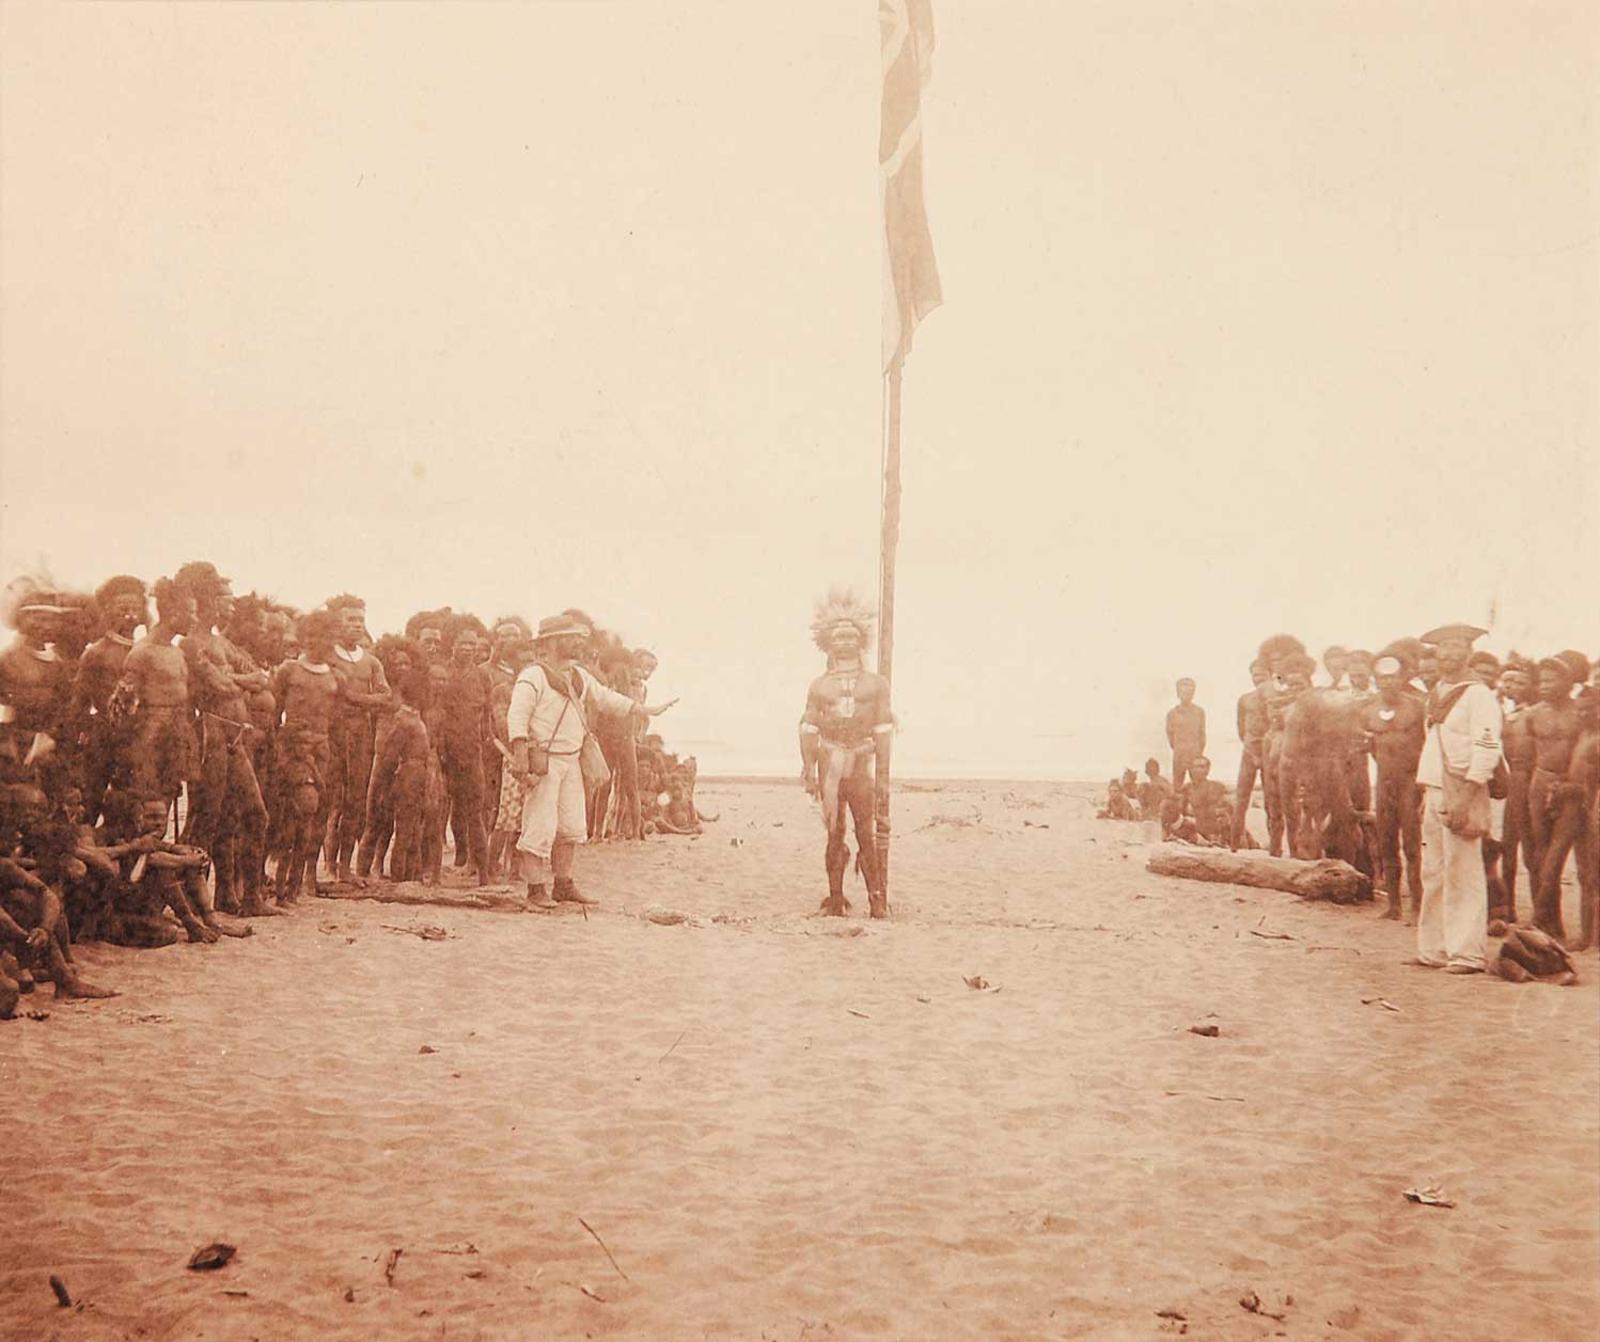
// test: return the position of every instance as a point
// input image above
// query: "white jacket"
(1467, 741)
(542, 714)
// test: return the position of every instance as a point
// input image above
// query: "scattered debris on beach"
(209, 1257)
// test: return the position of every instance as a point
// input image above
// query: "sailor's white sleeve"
(608, 700)
(1485, 724)
(519, 716)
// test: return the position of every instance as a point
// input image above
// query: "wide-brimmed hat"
(1466, 633)
(553, 626)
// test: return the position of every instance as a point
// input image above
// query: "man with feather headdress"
(844, 739)
(34, 679)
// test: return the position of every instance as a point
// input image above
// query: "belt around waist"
(853, 748)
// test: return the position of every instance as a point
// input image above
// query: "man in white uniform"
(1459, 756)
(553, 702)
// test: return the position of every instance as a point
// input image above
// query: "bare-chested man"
(172, 875)
(1336, 662)
(124, 606)
(1583, 774)
(363, 693)
(398, 658)
(465, 704)
(1198, 812)
(1321, 732)
(34, 680)
(845, 734)
(1291, 681)
(1117, 805)
(1518, 694)
(1154, 791)
(32, 927)
(154, 693)
(227, 815)
(1186, 731)
(306, 692)
(263, 632)
(400, 781)
(510, 638)
(1359, 668)
(33, 922)
(426, 632)
(1252, 716)
(512, 654)
(1395, 728)
(1359, 673)
(1555, 802)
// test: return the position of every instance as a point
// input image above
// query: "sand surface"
(784, 1127)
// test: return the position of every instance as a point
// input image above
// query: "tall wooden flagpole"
(888, 544)
(910, 291)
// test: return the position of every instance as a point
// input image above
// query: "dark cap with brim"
(554, 626)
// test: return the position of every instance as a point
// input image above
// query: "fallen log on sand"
(1327, 879)
(443, 897)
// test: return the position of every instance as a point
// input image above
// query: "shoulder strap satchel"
(1439, 706)
(539, 752)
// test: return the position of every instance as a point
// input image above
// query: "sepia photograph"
(799, 672)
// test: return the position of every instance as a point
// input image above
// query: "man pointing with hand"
(553, 701)
(1459, 757)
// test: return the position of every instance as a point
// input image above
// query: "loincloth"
(836, 765)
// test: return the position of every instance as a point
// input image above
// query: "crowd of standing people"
(149, 782)
(1443, 773)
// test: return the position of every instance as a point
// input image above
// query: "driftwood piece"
(441, 896)
(1327, 879)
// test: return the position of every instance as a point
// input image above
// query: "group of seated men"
(1337, 761)
(1199, 811)
(277, 737)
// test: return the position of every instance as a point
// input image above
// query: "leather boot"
(567, 893)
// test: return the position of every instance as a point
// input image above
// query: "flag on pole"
(910, 274)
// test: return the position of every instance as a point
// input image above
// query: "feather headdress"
(30, 591)
(518, 621)
(840, 606)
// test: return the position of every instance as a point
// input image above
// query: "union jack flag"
(910, 274)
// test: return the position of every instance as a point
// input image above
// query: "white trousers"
(554, 809)
(1455, 895)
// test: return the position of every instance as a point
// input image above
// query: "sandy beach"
(782, 1127)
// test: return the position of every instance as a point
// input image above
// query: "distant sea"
(718, 759)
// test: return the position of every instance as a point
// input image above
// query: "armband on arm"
(810, 744)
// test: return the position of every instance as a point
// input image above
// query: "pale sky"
(1258, 318)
